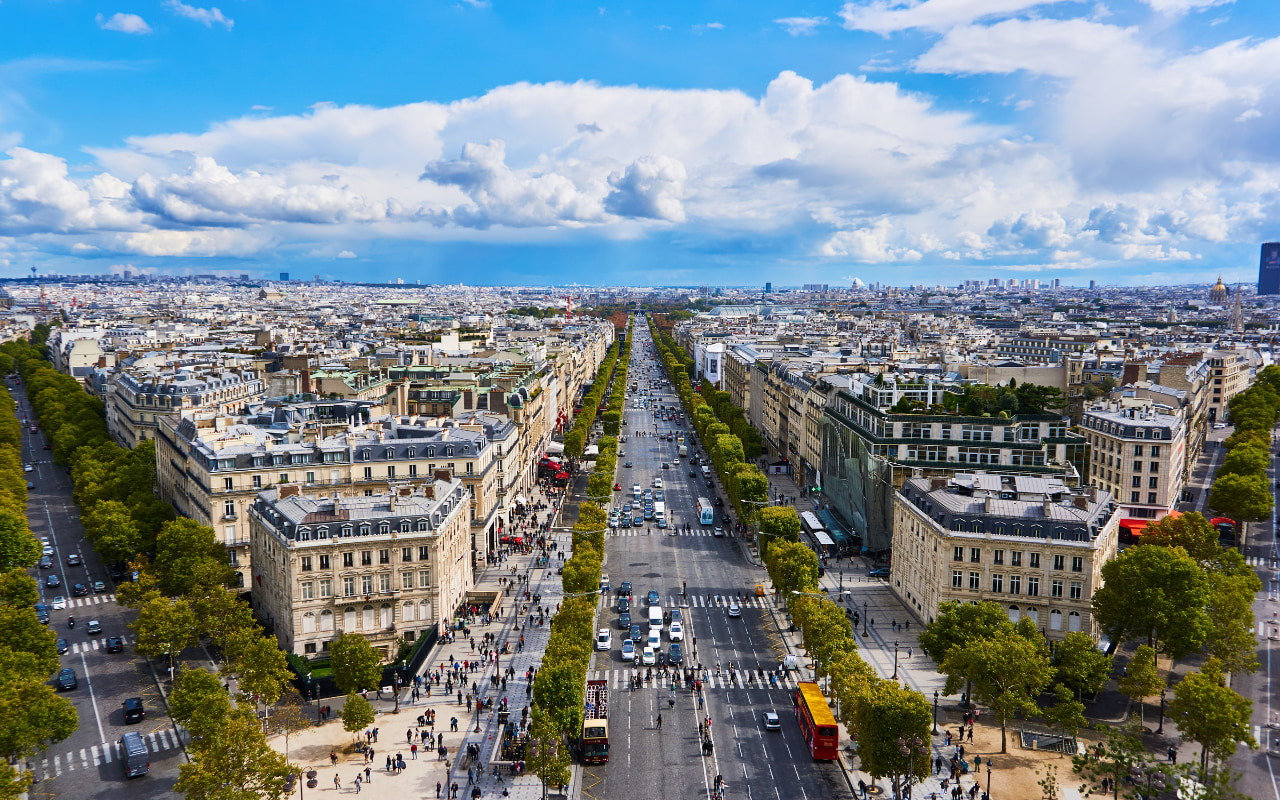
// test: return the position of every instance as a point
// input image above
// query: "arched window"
(364, 454)
(326, 620)
(423, 525)
(406, 611)
(431, 452)
(388, 615)
(1073, 622)
(411, 452)
(370, 618)
(999, 529)
(448, 452)
(239, 580)
(424, 610)
(308, 622)
(957, 524)
(1014, 613)
(1055, 620)
(391, 453)
(1037, 531)
(349, 620)
(322, 532)
(976, 526)
(1033, 615)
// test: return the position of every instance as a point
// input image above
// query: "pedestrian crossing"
(620, 678)
(106, 753)
(97, 643)
(90, 600)
(608, 602)
(1261, 561)
(656, 531)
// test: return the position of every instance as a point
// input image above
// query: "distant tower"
(1269, 269)
(1172, 317)
(1237, 313)
(1219, 294)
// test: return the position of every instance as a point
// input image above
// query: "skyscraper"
(1269, 269)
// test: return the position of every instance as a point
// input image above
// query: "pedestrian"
(368, 774)
(337, 784)
(1173, 755)
(357, 784)
(413, 752)
(438, 787)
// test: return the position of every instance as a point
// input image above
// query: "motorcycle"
(71, 622)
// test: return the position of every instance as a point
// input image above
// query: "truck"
(682, 450)
(594, 742)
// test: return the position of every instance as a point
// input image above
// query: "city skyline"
(714, 143)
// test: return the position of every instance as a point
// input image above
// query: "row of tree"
(576, 438)
(600, 483)
(1240, 489)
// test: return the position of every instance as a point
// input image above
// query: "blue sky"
(904, 141)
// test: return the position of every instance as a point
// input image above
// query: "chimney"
(937, 483)
(1081, 502)
(1048, 506)
(986, 503)
(289, 490)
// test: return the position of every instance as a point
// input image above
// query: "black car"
(653, 598)
(624, 604)
(42, 613)
(67, 680)
(676, 657)
(115, 644)
(624, 589)
(62, 646)
(73, 560)
(624, 620)
(879, 572)
(134, 710)
(52, 581)
(79, 590)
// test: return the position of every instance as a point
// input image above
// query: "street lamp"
(864, 617)
(935, 712)
(895, 659)
(989, 779)
(911, 748)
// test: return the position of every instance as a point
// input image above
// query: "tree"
(199, 702)
(357, 713)
(1067, 713)
(792, 567)
(1008, 671)
(111, 527)
(189, 557)
(234, 762)
(956, 625)
(560, 691)
(1241, 497)
(32, 715)
(32, 643)
(1231, 636)
(548, 755)
(1142, 679)
(1191, 531)
(1245, 461)
(883, 715)
(355, 664)
(18, 589)
(1080, 665)
(1156, 593)
(1211, 714)
(1116, 758)
(165, 627)
(260, 666)
(289, 716)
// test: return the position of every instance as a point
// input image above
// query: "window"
(1015, 558)
(1033, 587)
(1077, 563)
(308, 590)
(1035, 561)
(1137, 466)
(406, 554)
(957, 554)
(957, 579)
(348, 559)
(324, 562)
(1153, 482)
(368, 473)
(997, 557)
(1076, 590)
(1137, 481)
(424, 579)
(1073, 619)
(257, 481)
(1151, 498)
(306, 563)
(384, 556)
(975, 580)
(424, 553)
(1015, 584)
(366, 584)
(326, 588)
(391, 473)
(348, 587)
(1155, 448)
(308, 622)
(1059, 562)
(1137, 451)
(227, 484)
(229, 508)
(1055, 588)
(1135, 497)
(310, 647)
(413, 470)
(1055, 620)
(384, 583)
(997, 583)
(284, 477)
(406, 580)
(311, 477)
(366, 558)
(975, 555)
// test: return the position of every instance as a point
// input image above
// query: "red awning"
(1222, 521)
(1134, 525)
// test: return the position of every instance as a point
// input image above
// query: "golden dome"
(1218, 294)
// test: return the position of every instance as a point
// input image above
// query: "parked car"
(62, 646)
(604, 640)
(879, 572)
(52, 581)
(134, 711)
(67, 680)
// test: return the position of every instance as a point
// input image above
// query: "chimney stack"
(1048, 506)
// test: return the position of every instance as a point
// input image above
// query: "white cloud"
(651, 187)
(346, 254)
(1184, 6)
(1059, 48)
(123, 23)
(888, 16)
(801, 26)
(205, 16)
(715, 26)
(870, 244)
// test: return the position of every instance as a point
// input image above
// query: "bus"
(594, 744)
(817, 723)
(706, 511)
(810, 522)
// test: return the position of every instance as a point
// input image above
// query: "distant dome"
(515, 400)
(1218, 294)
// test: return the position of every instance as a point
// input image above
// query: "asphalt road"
(87, 765)
(648, 763)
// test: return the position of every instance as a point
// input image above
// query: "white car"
(59, 603)
(655, 639)
(26, 467)
(719, 532)
(734, 610)
(628, 651)
(604, 640)
(676, 631)
(46, 551)
(648, 657)
(657, 483)
(771, 721)
(675, 461)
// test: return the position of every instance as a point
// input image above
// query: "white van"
(659, 510)
(655, 619)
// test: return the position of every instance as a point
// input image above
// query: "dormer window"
(364, 455)
(431, 452)
(411, 452)
(384, 528)
(366, 529)
(391, 453)
(423, 525)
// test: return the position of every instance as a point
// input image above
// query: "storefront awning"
(555, 448)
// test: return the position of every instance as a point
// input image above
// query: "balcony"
(239, 542)
(232, 517)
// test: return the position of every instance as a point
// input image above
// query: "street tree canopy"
(1008, 671)
(1156, 594)
(355, 664)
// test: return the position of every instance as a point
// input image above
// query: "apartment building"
(389, 566)
(1138, 451)
(1031, 544)
(142, 398)
(1230, 376)
(211, 468)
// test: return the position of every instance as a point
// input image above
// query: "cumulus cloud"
(872, 244)
(205, 16)
(346, 254)
(801, 26)
(888, 16)
(650, 187)
(1033, 231)
(1184, 6)
(123, 23)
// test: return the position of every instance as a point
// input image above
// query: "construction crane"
(568, 309)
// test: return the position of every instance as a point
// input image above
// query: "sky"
(1132, 142)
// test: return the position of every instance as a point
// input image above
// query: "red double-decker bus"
(817, 723)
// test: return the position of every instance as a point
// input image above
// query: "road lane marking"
(93, 699)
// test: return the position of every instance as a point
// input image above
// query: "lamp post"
(1160, 729)
(895, 659)
(864, 617)
(935, 712)
(989, 779)
(911, 748)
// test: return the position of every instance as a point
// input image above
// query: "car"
(27, 467)
(42, 613)
(34, 429)
(675, 632)
(662, 523)
(626, 508)
(675, 656)
(627, 465)
(604, 583)
(654, 640)
(624, 605)
(52, 581)
(617, 487)
(879, 572)
(30, 485)
(624, 589)
(771, 721)
(719, 503)
(603, 639)
(115, 644)
(724, 518)
(59, 603)
(634, 633)
(735, 610)
(637, 521)
(718, 532)
(658, 496)
(74, 560)
(93, 627)
(99, 587)
(675, 615)
(1217, 426)
(134, 711)
(665, 465)
(47, 550)
(652, 598)
(647, 657)
(675, 462)
(628, 651)
(67, 680)
(46, 562)
(693, 473)
(657, 483)
(624, 620)
(62, 646)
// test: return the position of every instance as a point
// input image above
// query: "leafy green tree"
(234, 762)
(18, 548)
(792, 567)
(22, 634)
(1113, 759)
(1191, 531)
(1142, 678)
(1245, 461)
(559, 689)
(260, 666)
(189, 557)
(1155, 593)
(32, 715)
(883, 715)
(1231, 636)
(355, 664)
(1211, 714)
(199, 702)
(165, 626)
(1241, 497)
(1081, 667)
(18, 589)
(357, 713)
(1008, 672)
(549, 757)
(956, 625)
(113, 531)
(1067, 713)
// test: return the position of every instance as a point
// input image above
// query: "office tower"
(1269, 269)
(1093, 284)
(284, 276)
(768, 287)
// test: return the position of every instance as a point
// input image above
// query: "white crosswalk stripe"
(620, 678)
